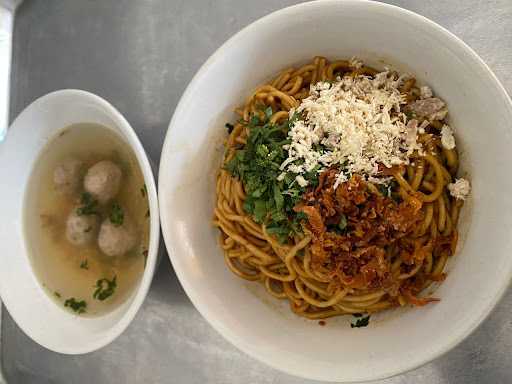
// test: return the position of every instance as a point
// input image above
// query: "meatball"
(102, 181)
(81, 229)
(67, 176)
(116, 240)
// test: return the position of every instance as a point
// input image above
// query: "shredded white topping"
(355, 63)
(425, 92)
(447, 138)
(356, 124)
(301, 180)
(424, 124)
(459, 189)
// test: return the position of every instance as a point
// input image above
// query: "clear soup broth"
(77, 270)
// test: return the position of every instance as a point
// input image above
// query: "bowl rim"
(142, 290)
(189, 288)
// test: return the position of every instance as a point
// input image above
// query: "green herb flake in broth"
(105, 288)
(84, 264)
(147, 214)
(75, 305)
(116, 215)
(88, 205)
(57, 294)
(144, 191)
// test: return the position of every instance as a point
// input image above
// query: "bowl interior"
(36, 314)
(481, 114)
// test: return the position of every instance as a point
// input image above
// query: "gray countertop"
(140, 55)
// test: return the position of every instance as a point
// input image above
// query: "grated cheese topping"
(355, 63)
(459, 189)
(425, 92)
(447, 138)
(424, 124)
(354, 123)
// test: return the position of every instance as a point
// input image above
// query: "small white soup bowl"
(35, 313)
(480, 112)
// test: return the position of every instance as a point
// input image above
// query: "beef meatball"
(103, 180)
(81, 229)
(67, 176)
(116, 240)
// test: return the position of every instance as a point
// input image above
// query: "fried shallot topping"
(358, 233)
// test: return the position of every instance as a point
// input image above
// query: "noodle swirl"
(287, 270)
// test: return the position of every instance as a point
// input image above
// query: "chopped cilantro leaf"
(105, 288)
(84, 264)
(269, 201)
(88, 205)
(76, 306)
(387, 189)
(116, 215)
(254, 121)
(384, 190)
(268, 112)
(343, 222)
(360, 320)
(410, 115)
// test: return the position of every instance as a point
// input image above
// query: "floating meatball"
(103, 180)
(67, 176)
(116, 240)
(81, 229)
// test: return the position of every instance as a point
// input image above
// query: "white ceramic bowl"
(481, 113)
(34, 312)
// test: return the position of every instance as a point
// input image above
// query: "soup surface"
(87, 228)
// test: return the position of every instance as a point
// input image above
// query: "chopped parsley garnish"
(76, 306)
(57, 294)
(269, 201)
(84, 264)
(343, 222)
(360, 320)
(340, 228)
(144, 191)
(410, 115)
(268, 113)
(385, 190)
(390, 190)
(105, 288)
(88, 205)
(116, 215)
